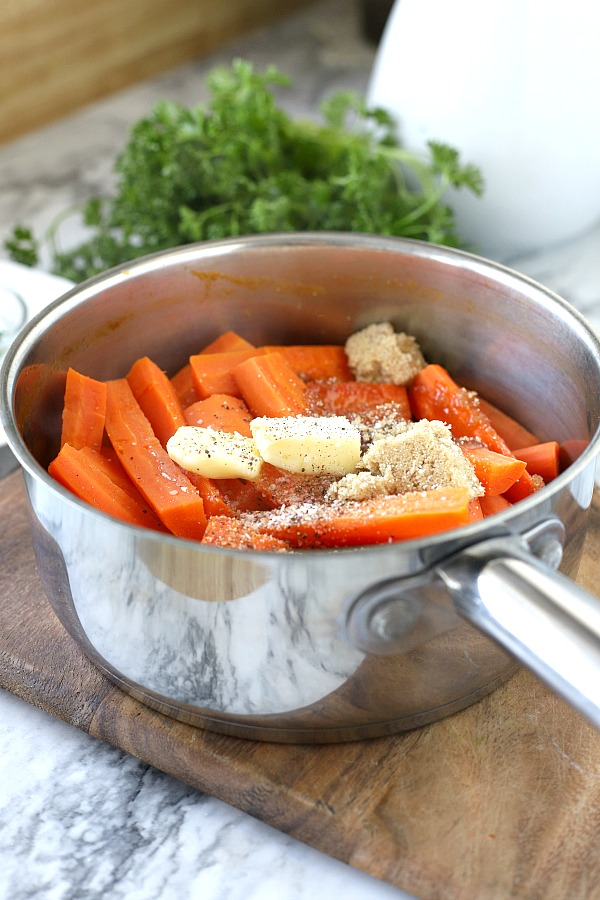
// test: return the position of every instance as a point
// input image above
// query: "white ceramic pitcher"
(515, 86)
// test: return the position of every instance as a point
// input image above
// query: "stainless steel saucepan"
(321, 645)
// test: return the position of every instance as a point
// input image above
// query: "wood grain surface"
(58, 55)
(499, 801)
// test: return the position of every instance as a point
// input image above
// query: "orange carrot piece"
(88, 475)
(382, 520)
(495, 471)
(281, 488)
(512, 432)
(165, 487)
(433, 394)
(221, 412)
(157, 398)
(215, 502)
(315, 362)
(343, 398)
(475, 510)
(109, 461)
(242, 495)
(493, 504)
(270, 387)
(183, 382)
(523, 487)
(212, 372)
(227, 342)
(84, 411)
(541, 459)
(235, 534)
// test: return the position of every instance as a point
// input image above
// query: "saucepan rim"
(80, 293)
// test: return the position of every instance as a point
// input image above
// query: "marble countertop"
(78, 818)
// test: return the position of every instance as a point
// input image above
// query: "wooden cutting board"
(501, 800)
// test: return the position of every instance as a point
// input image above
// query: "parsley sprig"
(241, 165)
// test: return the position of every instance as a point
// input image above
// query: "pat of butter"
(323, 445)
(214, 454)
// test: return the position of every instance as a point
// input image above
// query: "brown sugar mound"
(422, 457)
(379, 354)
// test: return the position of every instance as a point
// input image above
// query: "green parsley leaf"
(22, 247)
(241, 165)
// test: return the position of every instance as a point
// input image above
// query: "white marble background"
(79, 819)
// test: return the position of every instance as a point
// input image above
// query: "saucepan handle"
(540, 616)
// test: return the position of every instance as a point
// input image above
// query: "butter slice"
(323, 445)
(215, 454)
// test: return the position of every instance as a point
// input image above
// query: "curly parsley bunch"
(241, 165)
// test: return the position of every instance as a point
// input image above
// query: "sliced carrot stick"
(237, 535)
(183, 382)
(270, 387)
(493, 504)
(212, 372)
(109, 461)
(315, 362)
(84, 411)
(524, 487)
(433, 394)
(165, 487)
(541, 459)
(221, 412)
(157, 398)
(226, 342)
(343, 398)
(475, 510)
(495, 471)
(281, 488)
(512, 432)
(215, 502)
(88, 475)
(382, 520)
(242, 495)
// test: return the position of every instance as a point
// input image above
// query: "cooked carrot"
(183, 382)
(165, 487)
(280, 488)
(495, 471)
(270, 387)
(215, 502)
(541, 459)
(157, 398)
(84, 411)
(475, 510)
(88, 475)
(512, 432)
(226, 342)
(235, 534)
(493, 504)
(242, 495)
(343, 398)
(433, 394)
(221, 412)
(212, 372)
(315, 362)
(382, 520)
(523, 487)
(109, 461)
